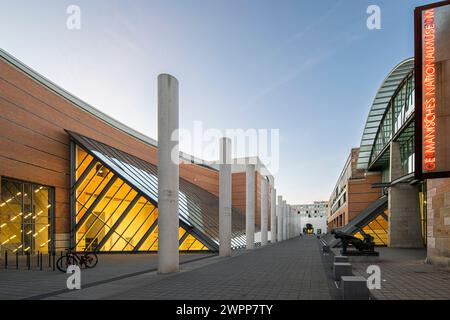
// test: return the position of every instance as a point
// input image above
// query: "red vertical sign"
(429, 91)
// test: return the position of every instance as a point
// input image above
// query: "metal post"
(53, 256)
(17, 259)
(40, 261)
(6, 259)
(38, 256)
(28, 260)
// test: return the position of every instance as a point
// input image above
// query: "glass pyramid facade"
(114, 204)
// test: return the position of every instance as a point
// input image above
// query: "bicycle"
(85, 259)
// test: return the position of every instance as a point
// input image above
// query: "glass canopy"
(116, 204)
(371, 221)
(378, 110)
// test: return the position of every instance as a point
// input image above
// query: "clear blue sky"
(309, 68)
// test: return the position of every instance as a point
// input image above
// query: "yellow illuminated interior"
(118, 219)
(25, 211)
(378, 229)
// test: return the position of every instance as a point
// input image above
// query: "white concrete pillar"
(250, 206)
(264, 210)
(293, 223)
(287, 221)
(280, 219)
(284, 220)
(289, 231)
(168, 175)
(273, 215)
(225, 197)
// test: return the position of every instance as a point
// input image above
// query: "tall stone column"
(289, 221)
(250, 206)
(273, 215)
(168, 175)
(405, 229)
(294, 223)
(225, 197)
(284, 220)
(280, 219)
(264, 210)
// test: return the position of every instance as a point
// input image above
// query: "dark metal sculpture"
(364, 247)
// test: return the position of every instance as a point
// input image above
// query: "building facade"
(353, 192)
(72, 177)
(387, 146)
(377, 193)
(406, 212)
(314, 214)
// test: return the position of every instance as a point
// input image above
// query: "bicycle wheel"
(65, 261)
(90, 259)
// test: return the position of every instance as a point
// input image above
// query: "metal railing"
(39, 261)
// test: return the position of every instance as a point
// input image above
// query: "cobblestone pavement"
(293, 269)
(21, 284)
(405, 276)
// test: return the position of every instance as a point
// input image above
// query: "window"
(26, 213)
(378, 229)
(111, 215)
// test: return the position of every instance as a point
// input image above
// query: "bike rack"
(26, 262)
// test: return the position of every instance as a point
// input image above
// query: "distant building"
(315, 214)
(353, 192)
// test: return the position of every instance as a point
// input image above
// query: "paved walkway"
(405, 276)
(22, 284)
(292, 269)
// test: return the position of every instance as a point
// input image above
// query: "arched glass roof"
(378, 109)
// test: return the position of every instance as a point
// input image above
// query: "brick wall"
(438, 221)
